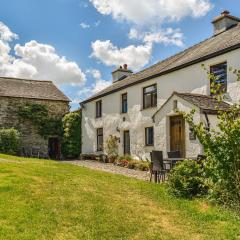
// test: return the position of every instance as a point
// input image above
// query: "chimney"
(224, 22)
(121, 73)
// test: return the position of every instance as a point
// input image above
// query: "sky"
(78, 43)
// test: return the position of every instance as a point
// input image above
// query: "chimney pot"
(225, 12)
(125, 66)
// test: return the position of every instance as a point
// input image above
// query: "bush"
(71, 144)
(186, 180)
(112, 148)
(9, 141)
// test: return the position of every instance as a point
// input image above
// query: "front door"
(126, 143)
(177, 134)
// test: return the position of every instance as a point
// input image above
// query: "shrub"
(112, 148)
(186, 179)
(71, 144)
(9, 141)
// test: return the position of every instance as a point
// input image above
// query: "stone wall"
(9, 109)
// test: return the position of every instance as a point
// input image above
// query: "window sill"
(149, 145)
(149, 108)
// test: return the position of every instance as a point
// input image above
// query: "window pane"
(150, 96)
(99, 139)
(147, 101)
(220, 72)
(149, 89)
(99, 108)
(124, 103)
(149, 136)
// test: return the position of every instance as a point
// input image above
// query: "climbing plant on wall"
(71, 145)
(38, 114)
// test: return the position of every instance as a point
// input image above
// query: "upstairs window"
(124, 103)
(149, 136)
(150, 96)
(99, 139)
(99, 109)
(220, 84)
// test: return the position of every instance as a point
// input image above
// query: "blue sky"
(77, 43)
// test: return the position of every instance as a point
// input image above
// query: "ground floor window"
(99, 139)
(149, 136)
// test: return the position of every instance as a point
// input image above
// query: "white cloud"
(94, 88)
(84, 25)
(99, 84)
(146, 19)
(6, 34)
(167, 36)
(135, 56)
(36, 61)
(152, 11)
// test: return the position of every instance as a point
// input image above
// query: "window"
(99, 109)
(150, 96)
(149, 136)
(99, 139)
(220, 84)
(124, 103)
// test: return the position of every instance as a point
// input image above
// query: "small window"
(124, 103)
(220, 84)
(150, 96)
(99, 139)
(149, 136)
(99, 109)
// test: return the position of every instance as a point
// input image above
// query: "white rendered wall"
(190, 79)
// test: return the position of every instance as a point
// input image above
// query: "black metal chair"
(157, 166)
(174, 154)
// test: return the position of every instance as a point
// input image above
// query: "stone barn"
(16, 93)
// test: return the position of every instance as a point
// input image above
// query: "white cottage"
(139, 108)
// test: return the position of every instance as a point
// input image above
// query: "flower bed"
(129, 162)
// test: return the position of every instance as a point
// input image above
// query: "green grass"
(42, 199)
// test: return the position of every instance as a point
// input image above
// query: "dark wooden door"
(126, 143)
(177, 134)
(54, 150)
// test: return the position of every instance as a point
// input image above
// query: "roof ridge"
(194, 94)
(25, 79)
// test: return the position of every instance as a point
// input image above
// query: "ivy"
(38, 114)
(72, 141)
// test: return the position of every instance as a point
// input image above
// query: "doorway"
(126, 143)
(177, 134)
(54, 150)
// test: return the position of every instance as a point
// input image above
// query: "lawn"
(42, 199)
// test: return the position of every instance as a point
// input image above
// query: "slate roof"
(214, 46)
(204, 102)
(33, 89)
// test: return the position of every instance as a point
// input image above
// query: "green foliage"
(71, 146)
(9, 141)
(221, 146)
(39, 116)
(112, 148)
(186, 179)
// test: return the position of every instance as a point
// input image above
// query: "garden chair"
(174, 154)
(157, 167)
